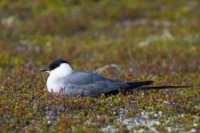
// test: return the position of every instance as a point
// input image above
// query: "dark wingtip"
(150, 82)
(137, 84)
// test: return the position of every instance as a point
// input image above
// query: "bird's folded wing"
(97, 88)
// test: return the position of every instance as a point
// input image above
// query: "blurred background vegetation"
(157, 40)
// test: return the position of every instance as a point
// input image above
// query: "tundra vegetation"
(143, 40)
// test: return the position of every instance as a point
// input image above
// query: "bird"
(64, 80)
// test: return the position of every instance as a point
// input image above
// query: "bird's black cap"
(54, 65)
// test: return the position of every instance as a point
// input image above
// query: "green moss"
(148, 40)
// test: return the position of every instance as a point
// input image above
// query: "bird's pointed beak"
(44, 69)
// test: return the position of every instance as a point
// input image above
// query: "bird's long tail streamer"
(160, 87)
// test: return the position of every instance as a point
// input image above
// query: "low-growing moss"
(145, 40)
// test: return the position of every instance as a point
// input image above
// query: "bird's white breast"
(55, 81)
(53, 85)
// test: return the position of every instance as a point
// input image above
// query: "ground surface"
(157, 40)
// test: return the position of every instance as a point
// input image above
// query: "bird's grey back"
(85, 78)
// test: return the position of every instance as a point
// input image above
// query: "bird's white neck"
(62, 71)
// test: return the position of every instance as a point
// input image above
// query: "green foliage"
(157, 40)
